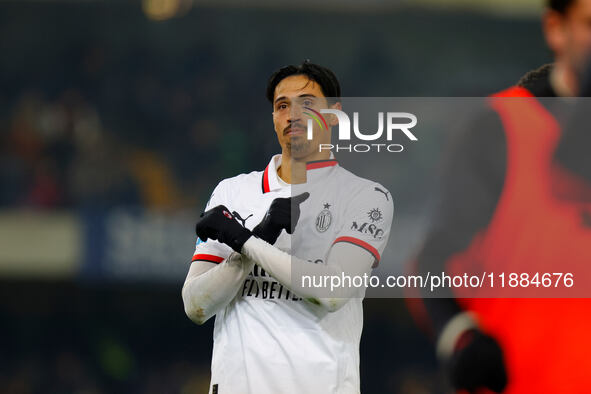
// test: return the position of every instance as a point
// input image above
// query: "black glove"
(219, 224)
(283, 214)
(477, 362)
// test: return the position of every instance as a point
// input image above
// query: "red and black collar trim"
(265, 183)
(313, 165)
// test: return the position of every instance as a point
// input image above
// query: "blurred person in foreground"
(272, 335)
(512, 201)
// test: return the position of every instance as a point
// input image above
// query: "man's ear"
(553, 25)
(332, 119)
(337, 105)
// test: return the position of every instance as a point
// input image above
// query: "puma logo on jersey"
(237, 216)
(377, 189)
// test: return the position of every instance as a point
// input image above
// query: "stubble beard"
(299, 147)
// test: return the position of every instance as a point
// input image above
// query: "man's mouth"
(294, 130)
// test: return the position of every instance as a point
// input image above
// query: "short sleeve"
(212, 250)
(368, 220)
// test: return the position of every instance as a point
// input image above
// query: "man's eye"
(282, 106)
(308, 103)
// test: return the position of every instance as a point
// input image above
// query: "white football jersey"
(268, 340)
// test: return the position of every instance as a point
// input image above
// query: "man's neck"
(293, 171)
(563, 80)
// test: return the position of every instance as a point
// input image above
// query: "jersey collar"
(317, 164)
(270, 179)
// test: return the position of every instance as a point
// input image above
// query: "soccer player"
(509, 204)
(253, 237)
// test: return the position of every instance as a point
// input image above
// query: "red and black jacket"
(498, 206)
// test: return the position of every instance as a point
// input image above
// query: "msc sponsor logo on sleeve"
(369, 229)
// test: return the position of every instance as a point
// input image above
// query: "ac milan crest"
(324, 219)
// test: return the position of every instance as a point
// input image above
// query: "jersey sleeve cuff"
(207, 257)
(362, 244)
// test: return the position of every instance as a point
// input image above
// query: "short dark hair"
(560, 5)
(324, 77)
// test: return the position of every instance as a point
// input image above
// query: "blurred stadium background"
(117, 119)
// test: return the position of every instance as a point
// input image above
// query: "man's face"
(569, 35)
(295, 97)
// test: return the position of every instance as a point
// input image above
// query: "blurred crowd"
(126, 134)
(107, 108)
(81, 339)
(57, 154)
(69, 371)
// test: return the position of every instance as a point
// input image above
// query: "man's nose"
(295, 112)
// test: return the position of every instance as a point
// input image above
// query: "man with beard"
(272, 333)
